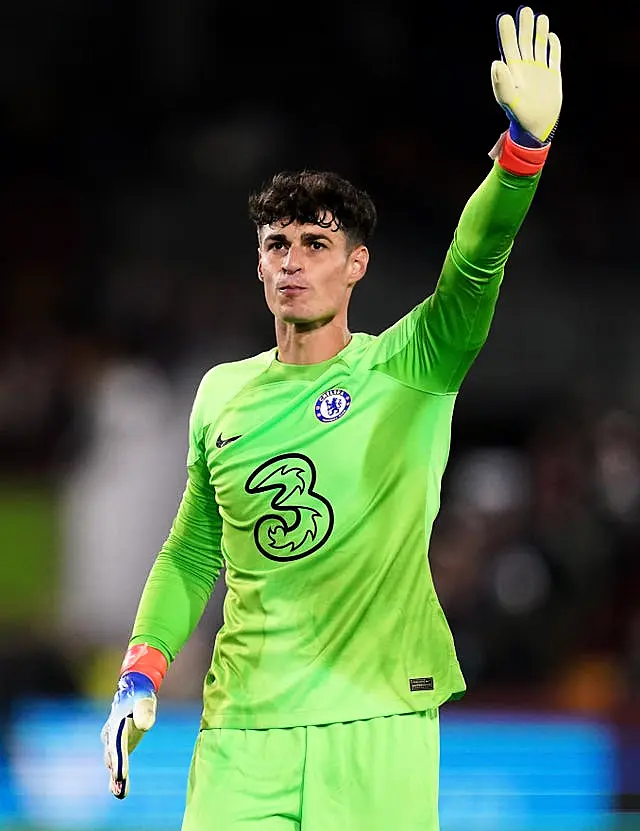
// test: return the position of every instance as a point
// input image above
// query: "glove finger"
(554, 51)
(144, 713)
(118, 764)
(503, 84)
(525, 26)
(143, 719)
(508, 38)
(107, 733)
(541, 44)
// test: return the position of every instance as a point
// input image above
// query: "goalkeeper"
(314, 474)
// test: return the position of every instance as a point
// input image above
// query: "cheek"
(269, 292)
(338, 284)
(265, 273)
(268, 286)
(330, 294)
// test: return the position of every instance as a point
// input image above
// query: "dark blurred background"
(131, 135)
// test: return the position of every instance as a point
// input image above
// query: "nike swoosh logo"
(220, 442)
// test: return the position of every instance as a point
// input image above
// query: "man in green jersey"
(314, 474)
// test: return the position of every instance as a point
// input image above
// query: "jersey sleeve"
(433, 346)
(185, 571)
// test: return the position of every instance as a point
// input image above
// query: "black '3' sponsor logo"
(300, 520)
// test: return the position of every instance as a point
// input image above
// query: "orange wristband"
(514, 158)
(148, 660)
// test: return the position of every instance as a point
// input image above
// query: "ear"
(358, 262)
(260, 277)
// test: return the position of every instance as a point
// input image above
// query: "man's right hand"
(527, 81)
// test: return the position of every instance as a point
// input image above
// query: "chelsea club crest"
(332, 405)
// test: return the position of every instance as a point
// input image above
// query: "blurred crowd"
(535, 559)
(131, 143)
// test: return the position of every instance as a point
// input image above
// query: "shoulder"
(232, 371)
(223, 381)
(373, 349)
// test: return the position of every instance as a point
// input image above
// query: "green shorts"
(375, 775)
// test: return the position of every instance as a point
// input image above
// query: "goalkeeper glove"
(527, 84)
(133, 711)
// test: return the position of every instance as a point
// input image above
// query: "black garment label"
(420, 684)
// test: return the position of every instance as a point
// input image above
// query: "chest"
(343, 433)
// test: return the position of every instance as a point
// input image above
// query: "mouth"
(290, 290)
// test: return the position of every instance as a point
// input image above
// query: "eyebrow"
(308, 236)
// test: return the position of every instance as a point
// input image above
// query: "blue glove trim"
(521, 136)
(132, 684)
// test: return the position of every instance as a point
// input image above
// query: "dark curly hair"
(319, 197)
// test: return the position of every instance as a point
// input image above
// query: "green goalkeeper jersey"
(317, 487)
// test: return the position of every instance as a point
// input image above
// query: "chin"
(302, 317)
(298, 319)
(288, 313)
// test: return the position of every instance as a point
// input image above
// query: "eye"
(317, 245)
(275, 245)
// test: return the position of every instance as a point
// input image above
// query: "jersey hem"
(311, 718)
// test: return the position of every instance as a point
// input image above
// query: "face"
(308, 272)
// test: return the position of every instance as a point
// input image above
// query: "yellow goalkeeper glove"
(527, 82)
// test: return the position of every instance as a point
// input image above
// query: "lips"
(291, 288)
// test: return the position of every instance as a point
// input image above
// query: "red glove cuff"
(148, 660)
(522, 161)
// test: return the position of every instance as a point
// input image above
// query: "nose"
(292, 262)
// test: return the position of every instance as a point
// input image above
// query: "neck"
(311, 346)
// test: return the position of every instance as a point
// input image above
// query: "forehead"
(327, 227)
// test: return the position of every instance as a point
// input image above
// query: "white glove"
(133, 712)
